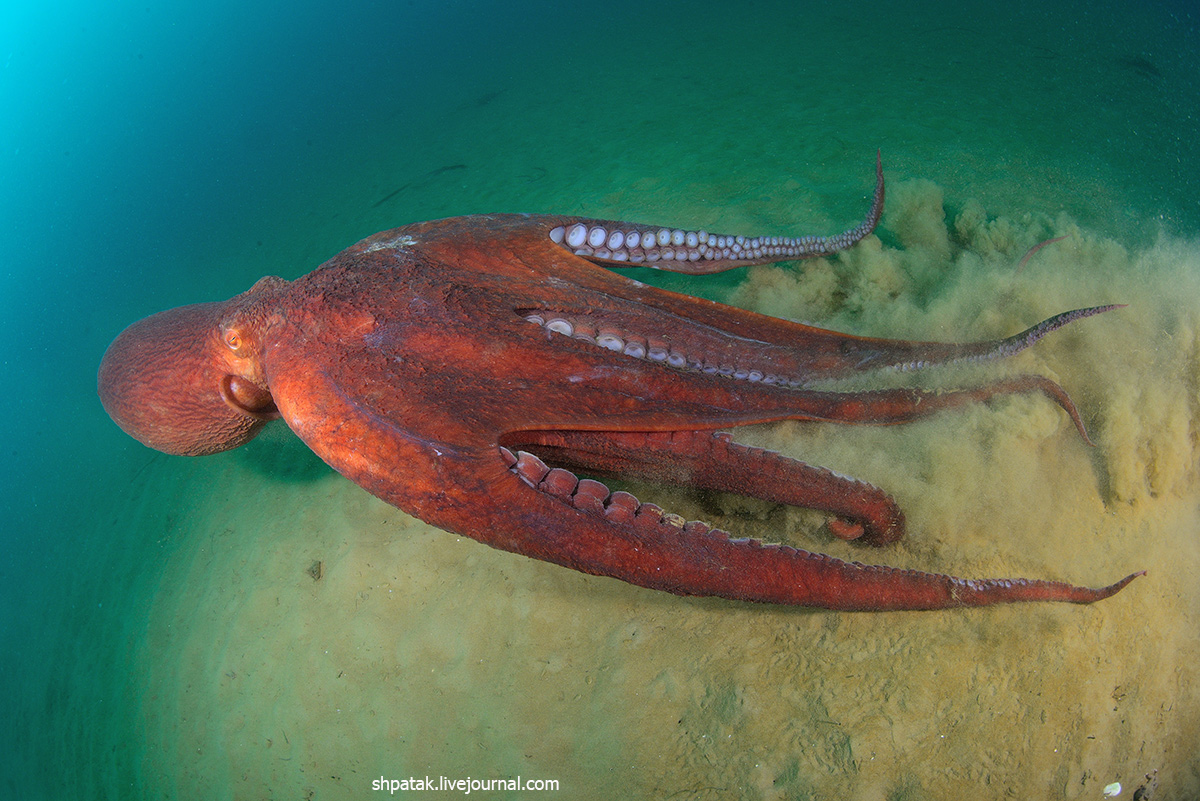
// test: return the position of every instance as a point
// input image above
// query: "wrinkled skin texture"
(444, 365)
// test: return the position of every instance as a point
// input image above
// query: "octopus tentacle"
(720, 404)
(696, 251)
(717, 352)
(892, 406)
(714, 461)
(938, 354)
(613, 534)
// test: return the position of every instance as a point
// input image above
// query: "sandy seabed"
(307, 639)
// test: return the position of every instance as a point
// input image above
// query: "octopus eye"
(232, 340)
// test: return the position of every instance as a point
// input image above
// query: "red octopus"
(462, 369)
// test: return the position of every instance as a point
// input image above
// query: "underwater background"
(164, 636)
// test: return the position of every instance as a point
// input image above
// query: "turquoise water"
(160, 156)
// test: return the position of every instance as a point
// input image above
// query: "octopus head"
(189, 381)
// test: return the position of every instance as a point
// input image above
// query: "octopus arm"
(515, 502)
(550, 514)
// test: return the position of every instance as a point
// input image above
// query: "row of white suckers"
(666, 244)
(639, 348)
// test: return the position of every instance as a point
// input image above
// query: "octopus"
(468, 370)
